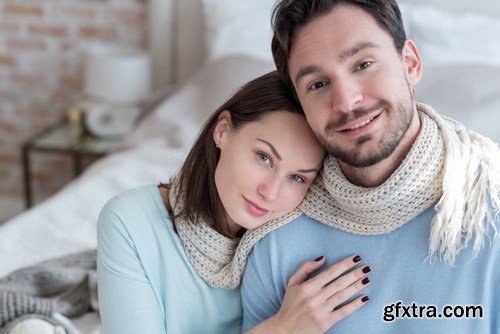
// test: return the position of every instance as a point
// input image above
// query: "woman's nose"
(270, 188)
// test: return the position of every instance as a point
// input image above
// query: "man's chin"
(360, 160)
(360, 163)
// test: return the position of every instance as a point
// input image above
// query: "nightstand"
(63, 138)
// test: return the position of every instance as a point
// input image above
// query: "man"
(414, 194)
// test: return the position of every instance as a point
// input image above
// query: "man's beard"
(387, 145)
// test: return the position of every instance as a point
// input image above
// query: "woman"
(165, 255)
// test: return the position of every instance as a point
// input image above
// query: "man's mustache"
(356, 113)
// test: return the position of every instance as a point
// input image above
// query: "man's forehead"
(344, 21)
(335, 35)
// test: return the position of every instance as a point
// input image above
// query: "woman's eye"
(297, 178)
(264, 158)
(364, 65)
(317, 85)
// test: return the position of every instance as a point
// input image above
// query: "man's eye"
(264, 158)
(317, 85)
(297, 178)
(364, 65)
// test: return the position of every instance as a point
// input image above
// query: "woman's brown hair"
(196, 177)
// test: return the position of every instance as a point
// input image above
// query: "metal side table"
(63, 138)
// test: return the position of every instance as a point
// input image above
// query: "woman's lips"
(254, 209)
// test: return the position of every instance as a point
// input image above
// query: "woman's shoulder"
(135, 208)
(138, 199)
(137, 222)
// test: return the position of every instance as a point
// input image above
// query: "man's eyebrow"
(306, 71)
(355, 49)
(272, 148)
(342, 58)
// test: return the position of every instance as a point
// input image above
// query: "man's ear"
(412, 63)
(222, 128)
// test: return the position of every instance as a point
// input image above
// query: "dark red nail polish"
(365, 299)
(365, 281)
(319, 258)
(366, 270)
(356, 259)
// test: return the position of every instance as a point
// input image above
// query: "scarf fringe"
(470, 201)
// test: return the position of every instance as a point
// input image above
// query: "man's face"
(354, 86)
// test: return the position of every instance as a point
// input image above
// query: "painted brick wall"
(42, 44)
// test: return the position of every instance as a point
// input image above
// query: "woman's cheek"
(286, 201)
(297, 196)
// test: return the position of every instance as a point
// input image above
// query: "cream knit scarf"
(457, 168)
(411, 189)
(219, 260)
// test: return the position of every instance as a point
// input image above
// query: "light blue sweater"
(400, 272)
(146, 282)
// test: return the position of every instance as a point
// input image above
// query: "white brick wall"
(42, 43)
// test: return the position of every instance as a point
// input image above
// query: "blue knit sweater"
(400, 273)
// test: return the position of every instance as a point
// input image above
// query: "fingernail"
(366, 269)
(365, 281)
(356, 259)
(365, 299)
(319, 258)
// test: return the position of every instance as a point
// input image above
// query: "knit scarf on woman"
(448, 165)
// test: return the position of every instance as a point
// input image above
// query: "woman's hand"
(309, 305)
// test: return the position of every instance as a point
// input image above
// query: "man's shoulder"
(302, 231)
(301, 224)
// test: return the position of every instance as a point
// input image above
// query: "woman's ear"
(412, 62)
(222, 128)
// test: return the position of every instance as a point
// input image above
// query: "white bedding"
(66, 222)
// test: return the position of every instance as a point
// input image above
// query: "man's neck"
(374, 176)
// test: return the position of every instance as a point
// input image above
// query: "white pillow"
(238, 27)
(176, 121)
(467, 93)
(243, 27)
(447, 37)
(36, 326)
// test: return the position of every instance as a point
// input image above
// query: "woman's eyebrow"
(272, 148)
(279, 157)
(308, 170)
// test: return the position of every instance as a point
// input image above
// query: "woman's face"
(265, 167)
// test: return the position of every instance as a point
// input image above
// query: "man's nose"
(346, 95)
(270, 187)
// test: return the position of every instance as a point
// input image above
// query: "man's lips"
(254, 209)
(359, 122)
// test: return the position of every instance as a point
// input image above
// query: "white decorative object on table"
(116, 80)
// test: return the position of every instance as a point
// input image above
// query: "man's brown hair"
(290, 15)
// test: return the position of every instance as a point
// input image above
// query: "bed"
(214, 46)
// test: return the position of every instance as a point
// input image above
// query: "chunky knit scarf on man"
(449, 165)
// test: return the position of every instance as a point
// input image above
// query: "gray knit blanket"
(65, 285)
